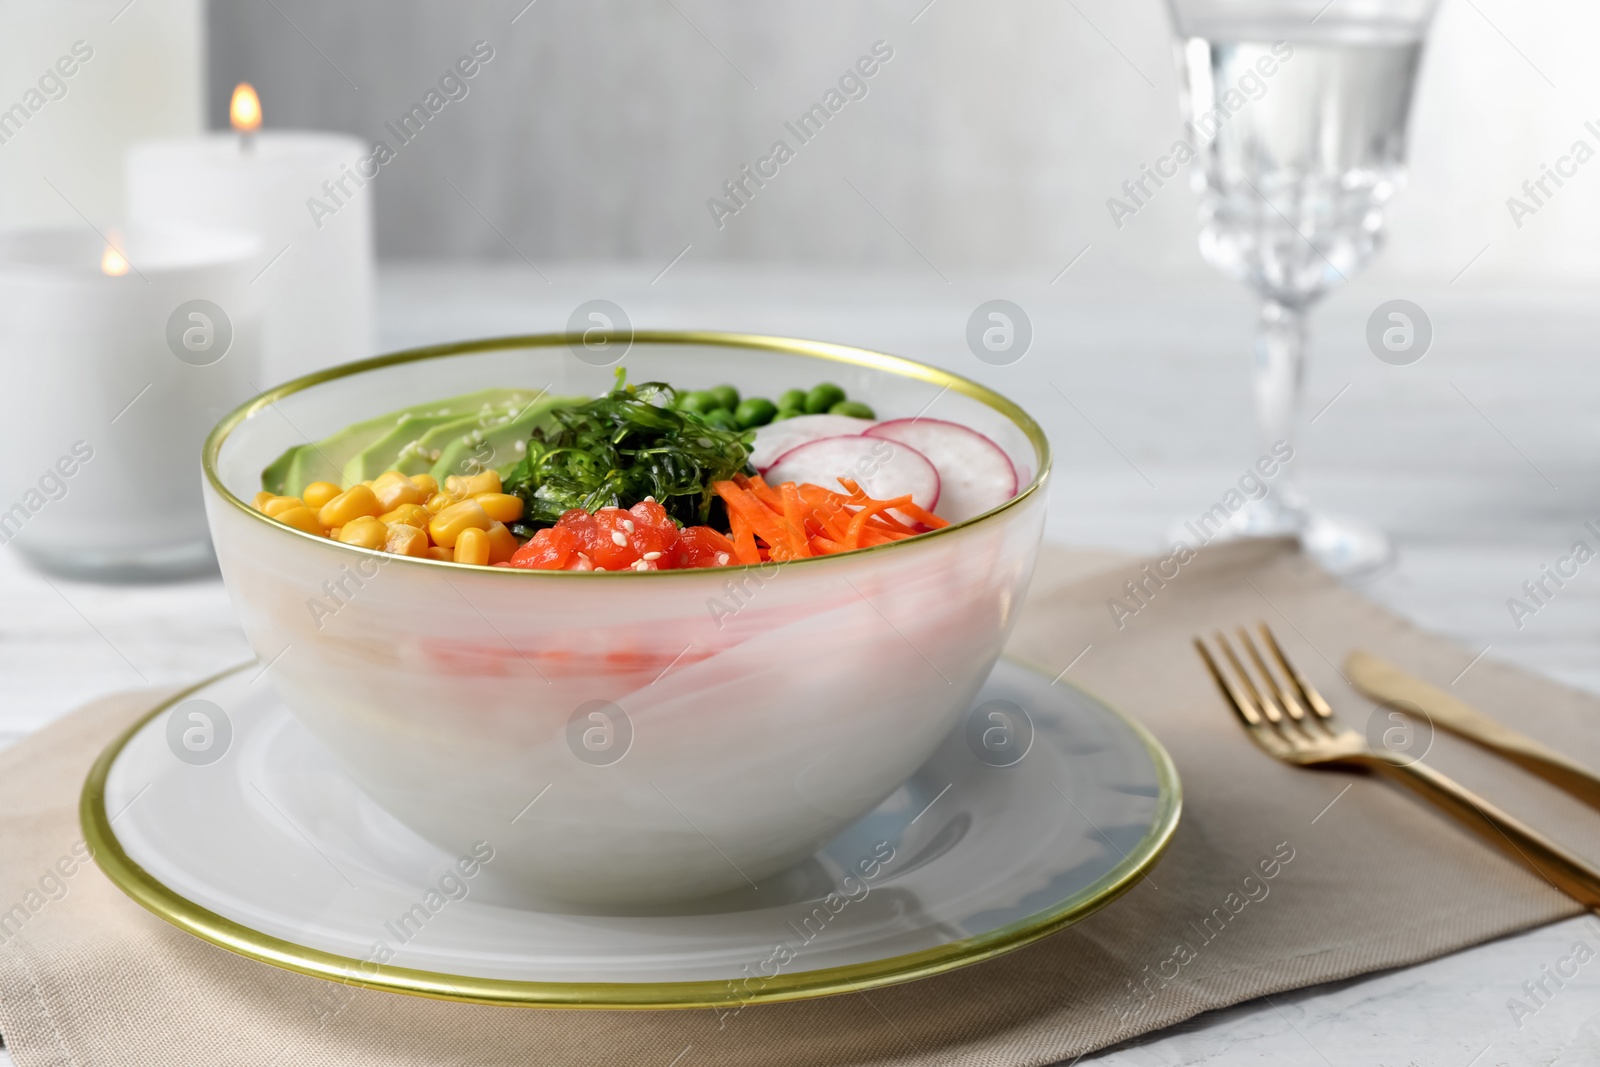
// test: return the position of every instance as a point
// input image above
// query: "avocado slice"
(418, 455)
(329, 459)
(385, 453)
(494, 445)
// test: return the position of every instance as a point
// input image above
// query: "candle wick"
(247, 141)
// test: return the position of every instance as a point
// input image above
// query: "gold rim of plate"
(190, 917)
(860, 357)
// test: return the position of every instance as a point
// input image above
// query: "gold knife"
(1386, 683)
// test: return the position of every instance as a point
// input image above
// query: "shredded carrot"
(794, 520)
(882, 521)
(744, 541)
(858, 523)
(871, 537)
(856, 492)
(763, 492)
(920, 514)
(827, 509)
(797, 520)
(756, 515)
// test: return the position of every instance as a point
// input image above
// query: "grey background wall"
(990, 141)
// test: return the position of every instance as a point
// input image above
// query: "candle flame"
(113, 262)
(245, 111)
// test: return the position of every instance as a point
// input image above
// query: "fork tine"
(1313, 699)
(1284, 693)
(1269, 707)
(1236, 698)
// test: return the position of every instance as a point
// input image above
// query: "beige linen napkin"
(1362, 877)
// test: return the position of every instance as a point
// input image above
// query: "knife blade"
(1384, 682)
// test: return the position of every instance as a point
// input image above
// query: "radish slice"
(882, 467)
(975, 474)
(776, 438)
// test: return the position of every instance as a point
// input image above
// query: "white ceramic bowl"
(625, 738)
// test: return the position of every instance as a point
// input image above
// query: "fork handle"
(1565, 870)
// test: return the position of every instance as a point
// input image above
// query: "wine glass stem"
(1279, 375)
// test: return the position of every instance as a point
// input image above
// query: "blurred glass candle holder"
(305, 196)
(120, 356)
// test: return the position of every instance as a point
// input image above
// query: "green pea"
(787, 413)
(854, 408)
(698, 402)
(726, 396)
(722, 419)
(794, 399)
(757, 411)
(822, 397)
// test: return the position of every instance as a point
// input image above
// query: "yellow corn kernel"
(502, 507)
(426, 482)
(394, 489)
(335, 532)
(261, 498)
(438, 552)
(439, 501)
(319, 493)
(364, 531)
(279, 504)
(354, 502)
(473, 547)
(502, 542)
(405, 540)
(484, 482)
(408, 515)
(448, 524)
(456, 483)
(302, 518)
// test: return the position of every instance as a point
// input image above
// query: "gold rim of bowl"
(156, 897)
(860, 357)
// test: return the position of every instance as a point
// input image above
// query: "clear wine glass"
(1298, 110)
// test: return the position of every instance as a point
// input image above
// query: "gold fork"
(1290, 720)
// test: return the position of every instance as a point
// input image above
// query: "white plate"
(269, 850)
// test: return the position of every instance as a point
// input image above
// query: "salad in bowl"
(655, 632)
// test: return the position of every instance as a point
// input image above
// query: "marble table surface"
(1480, 459)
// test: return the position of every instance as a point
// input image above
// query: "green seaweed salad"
(634, 442)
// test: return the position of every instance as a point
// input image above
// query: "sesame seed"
(641, 565)
(722, 559)
(652, 555)
(649, 500)
(619, 537)
(599, 568)
(628, 525)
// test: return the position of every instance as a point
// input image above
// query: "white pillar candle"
(119, 366)
(314, 267)
(80, 81)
